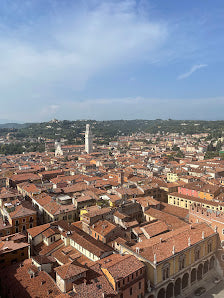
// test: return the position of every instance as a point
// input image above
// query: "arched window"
(181, 262)
(166, 271)
(209, 246)
(197, 253)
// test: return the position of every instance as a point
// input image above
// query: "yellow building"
(172, 177)
(185, 201)
(83, 211)
(176, 260)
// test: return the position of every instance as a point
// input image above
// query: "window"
(139, 285)
(223, 231)
(166, 271)
(130, 291)
(181, 262)
(31, 218)
(17, 222)
(24, 228)
(31, 225)
(209, 246)
(197, 253)
(17, 230)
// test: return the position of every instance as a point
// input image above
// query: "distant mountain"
(108, 130)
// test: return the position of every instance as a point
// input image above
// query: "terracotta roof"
(48, 249)
(103, 227)
(121, 266)
(174, 210)
(41, 285)
(50, 232)
(172, 221)
(155, 228)
(70, 270)
(95, 286)
(22, 210)
(10, 245)
(162, 245)
(89, 243)
(38, 230)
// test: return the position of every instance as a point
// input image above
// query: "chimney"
(173, 251)
(215, 229)
(137, 250)
(189, 241)
(161, 240)
(154, 259)
(203, 235)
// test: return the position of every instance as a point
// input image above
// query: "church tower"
(88, 140)
(58, 150)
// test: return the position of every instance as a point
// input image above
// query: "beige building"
(176, 260)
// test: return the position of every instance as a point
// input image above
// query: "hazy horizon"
(71, 120)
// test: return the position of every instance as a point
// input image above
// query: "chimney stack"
(189, 241)
(203, 235)
(173, 251)
(154, 259)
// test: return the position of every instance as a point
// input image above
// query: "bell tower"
(88, 140)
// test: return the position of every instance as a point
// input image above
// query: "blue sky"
(111, 59)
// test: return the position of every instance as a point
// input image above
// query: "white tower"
(58, 150)
(88, 140)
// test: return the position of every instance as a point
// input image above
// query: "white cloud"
(62, 53)
(191, 71)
